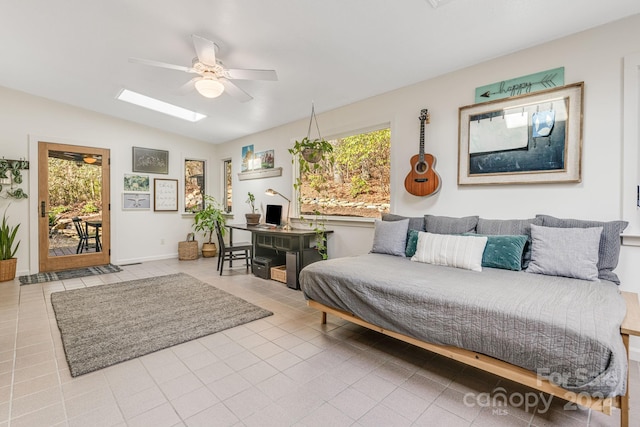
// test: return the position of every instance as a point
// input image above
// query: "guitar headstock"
(424, 116)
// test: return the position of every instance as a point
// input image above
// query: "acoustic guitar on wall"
(423, 180)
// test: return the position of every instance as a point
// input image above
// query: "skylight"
(160, 106)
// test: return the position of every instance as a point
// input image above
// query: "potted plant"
(253, 218)
(322, 154)
(8, 249)
(312, 150)
(205, 220)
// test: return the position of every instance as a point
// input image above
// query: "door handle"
(42, 211)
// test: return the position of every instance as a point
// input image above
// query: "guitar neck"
(424, 116)
(421, 153)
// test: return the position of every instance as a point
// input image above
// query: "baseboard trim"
(144, 259)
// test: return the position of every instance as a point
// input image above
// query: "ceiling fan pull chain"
(313, 116)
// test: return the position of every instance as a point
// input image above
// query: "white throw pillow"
(450, 250)
(568, 252)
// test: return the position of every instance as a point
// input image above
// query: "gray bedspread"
(567, 329)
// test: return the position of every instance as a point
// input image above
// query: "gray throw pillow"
(609, 250)
(415, 222)
(390, 237)
(568, 252)
(449, 225)
(510, 227)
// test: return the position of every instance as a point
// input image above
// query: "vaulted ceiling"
(330, 52)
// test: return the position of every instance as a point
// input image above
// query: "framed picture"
(264, 159)
(150, 161)
(136, 201)
(165, 194)
(136, 182)
(247, 158)
(528, 139)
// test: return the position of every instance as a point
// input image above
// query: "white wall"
(135, 235)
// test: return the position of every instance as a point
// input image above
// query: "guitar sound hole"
(421, 167)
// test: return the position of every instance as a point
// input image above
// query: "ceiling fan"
(213, 78)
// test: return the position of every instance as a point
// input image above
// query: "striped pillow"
(450, 250)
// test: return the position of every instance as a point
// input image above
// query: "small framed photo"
(149, 160)
(165, 194)
(136, 201)
(264, 160)
(136, 182)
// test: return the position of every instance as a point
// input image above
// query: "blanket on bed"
(565, 329)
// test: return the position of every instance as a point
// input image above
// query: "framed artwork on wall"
(136, 201)
(247, 158)
(528, 139)
(150, 161)
(264, 159)
(136, 182)
(165, 194)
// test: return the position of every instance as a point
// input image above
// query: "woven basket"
(8, 269)
(188, 250)
(279, 273)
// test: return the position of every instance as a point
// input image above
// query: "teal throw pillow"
(503, 251)
(412, 243)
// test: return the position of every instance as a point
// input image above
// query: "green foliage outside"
(357, 175)
(74, 187)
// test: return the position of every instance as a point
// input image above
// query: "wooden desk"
(296, 248)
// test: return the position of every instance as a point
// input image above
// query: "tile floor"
(286, 369)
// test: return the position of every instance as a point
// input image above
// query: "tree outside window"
(357, 183)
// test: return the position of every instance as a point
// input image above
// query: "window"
(357, 183)
(228, 183)
(193, 185)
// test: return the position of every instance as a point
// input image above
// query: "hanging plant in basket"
(312, 155)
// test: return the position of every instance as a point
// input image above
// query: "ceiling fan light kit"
(209, 87)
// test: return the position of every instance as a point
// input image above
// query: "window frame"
(203, 187)
(350, 220)
(226, 207)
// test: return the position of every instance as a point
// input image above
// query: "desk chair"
(84, 237)
(236, 251)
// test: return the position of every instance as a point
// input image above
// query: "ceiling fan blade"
(205, 49)
(188, 86)
(238, 74)
(235, 91)
(161, 64)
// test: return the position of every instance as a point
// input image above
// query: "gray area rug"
(68, 274)
(107, 324)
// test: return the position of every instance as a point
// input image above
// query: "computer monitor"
(274, 214)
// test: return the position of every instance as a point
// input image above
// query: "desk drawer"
(283, 243)
(264, 241)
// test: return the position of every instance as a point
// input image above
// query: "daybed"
(455, 286)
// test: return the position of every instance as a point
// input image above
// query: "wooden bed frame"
(630, 327)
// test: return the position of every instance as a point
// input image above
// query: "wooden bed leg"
(324, 318)
(624, 401)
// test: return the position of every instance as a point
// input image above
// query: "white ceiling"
(331, 52)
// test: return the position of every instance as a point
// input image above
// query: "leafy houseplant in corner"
(253, 218)
(205, 220)
(8, 250)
